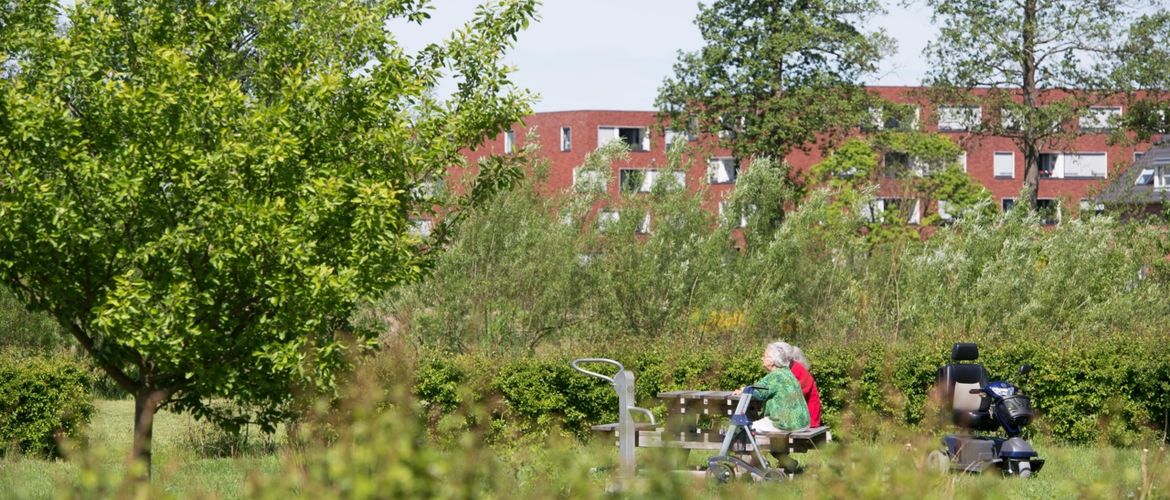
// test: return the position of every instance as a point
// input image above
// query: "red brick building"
(1072, 174)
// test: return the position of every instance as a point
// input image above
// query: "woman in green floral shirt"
(784, 405)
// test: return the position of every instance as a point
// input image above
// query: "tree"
(1040, 65)
(919, 168)
(200, 192)
(775, 75)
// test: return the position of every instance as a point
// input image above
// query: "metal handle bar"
(597, 360)
(643, 410)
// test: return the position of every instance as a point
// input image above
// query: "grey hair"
(795, 354)
(778, 354)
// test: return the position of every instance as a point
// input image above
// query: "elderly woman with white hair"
(812, 396)
(784, 405)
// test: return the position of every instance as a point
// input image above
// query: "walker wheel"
(775, 475)
(938, 461)
(721, 473)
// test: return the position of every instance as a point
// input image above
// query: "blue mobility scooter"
(977, 407)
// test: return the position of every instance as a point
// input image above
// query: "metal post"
(623, 382)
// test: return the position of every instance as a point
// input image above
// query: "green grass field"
(842, 471)
(178, 469)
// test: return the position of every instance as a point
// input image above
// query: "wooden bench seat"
(782, 442)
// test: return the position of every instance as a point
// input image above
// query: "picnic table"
(696, 420)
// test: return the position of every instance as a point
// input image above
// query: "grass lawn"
(177, 469)
(856, 470)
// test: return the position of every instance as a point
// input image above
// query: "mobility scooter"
(978, 407)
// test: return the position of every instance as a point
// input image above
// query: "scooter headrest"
(964, 351)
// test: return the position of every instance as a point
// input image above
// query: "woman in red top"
(808, 386)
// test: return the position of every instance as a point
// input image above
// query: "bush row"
(1115, 390)
(42, 399)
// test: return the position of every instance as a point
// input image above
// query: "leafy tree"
(1023, 56)
(776, 75)
(200, 192)
(912, 165)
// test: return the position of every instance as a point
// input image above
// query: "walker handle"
(595, 374)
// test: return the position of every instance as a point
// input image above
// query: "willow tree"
(775, 75)
(1041, 65)
(201, 191)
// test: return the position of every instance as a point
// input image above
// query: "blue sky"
(614, 54)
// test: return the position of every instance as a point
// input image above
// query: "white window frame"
(958, 118)
(878, 119)
(422, 227)
(653, 177)
(963, 161)
(1061, 170)
(588, 179)
(1100, 119)
(727, 166)
(1009, 118)
(609, 133)
(607, 218)
(996, 165)
(509, 141)
(723, 216)
(566, 139)
(1148, 176)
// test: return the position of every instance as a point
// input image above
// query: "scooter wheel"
(1024, 469)
(938, 461)
(721, 473)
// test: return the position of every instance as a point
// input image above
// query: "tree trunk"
(1031, 158)
(146, 403)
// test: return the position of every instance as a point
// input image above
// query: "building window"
(1009, 119)
(509, 141)
(722, 170)
(606, 219)
(673, 136)
(886, 210)
(641, 180)
(1100, 119)
(1007, 204)
(963, 161)
(586, 179)
(566, 139)
(726, 217)
(644, 226)
(1049, 211)
(1088, 206)
(636, 138)
(1146, 178)
(427, 189)
(893, 119)
(895, 164)
(958, 119)
(1137, 155)
(421, 227)
(1005, 164)
(1073, 165)
(1164, 177)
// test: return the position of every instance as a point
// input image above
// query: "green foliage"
(202, 192)
(1084, 391)
(42, 400)
(774, 76)
(24, 330)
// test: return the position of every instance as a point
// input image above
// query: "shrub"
(42, 399)
(1112, 390)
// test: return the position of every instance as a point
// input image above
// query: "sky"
(614, 54)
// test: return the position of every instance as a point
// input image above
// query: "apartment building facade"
(1071, 175)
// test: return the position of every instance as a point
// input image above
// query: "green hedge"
(1115, 391)
(41, 400)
